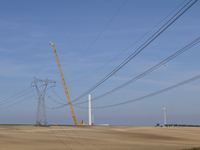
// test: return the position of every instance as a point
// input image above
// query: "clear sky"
(88, 34)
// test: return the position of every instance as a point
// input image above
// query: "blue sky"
(87, 35)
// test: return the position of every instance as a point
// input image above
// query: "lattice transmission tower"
(41, 87)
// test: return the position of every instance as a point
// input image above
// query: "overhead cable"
(141, 48)
(54, 99)
(100, 32)
(129, 46)
(155, 93)
(16, 102)
(142, 97)
(58, 95)
(149, 95)
(15, 95)
(13, 98)
(162, 63)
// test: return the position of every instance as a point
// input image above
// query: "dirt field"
(98, 138)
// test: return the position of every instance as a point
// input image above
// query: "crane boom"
(66, 90)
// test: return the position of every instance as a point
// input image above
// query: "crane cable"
(75, 102)
(142, 47)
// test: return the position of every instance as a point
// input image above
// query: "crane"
(66, 90)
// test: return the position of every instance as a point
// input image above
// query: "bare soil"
(98, 138)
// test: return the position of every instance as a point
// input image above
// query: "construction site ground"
(29, 137)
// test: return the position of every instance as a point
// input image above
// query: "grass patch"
(15, 124)
(196, 148)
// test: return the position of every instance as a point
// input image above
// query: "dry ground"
(98, 138)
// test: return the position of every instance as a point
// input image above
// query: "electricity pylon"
(41, 118)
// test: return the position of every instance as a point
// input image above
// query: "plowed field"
(98, 138)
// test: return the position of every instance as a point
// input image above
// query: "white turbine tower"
(165, 119)
(90, 109)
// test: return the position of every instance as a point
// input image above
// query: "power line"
(150, 95)
(165, 25)
(142, 97)
(141, 48)
(15, 95)
(53, 99)
(155, 93)
(59, 96)
(17, 102)
(129, 46)
(13, 98)
(163, 62)
(100, 33)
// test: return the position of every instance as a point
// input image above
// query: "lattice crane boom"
(66, 90)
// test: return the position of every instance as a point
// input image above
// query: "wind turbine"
(165, 119)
